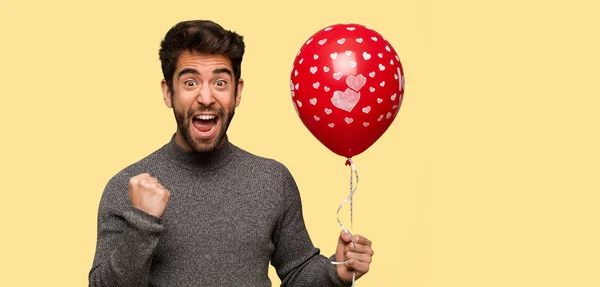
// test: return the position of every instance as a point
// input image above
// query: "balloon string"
(350, 196)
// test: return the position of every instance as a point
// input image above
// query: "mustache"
(219, 112)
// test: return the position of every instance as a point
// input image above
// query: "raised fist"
(148, 195)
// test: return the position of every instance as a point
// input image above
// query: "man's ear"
(167, 96)
(238, 96)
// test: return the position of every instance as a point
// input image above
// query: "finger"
(358, 248)
(148, 183)
(358, 256)
(345, 236)
(134, 180)
(160, 185)
(358, 266)
(362, 240)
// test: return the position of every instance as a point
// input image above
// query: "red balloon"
(347, 86)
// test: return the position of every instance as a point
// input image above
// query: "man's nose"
(206, 96)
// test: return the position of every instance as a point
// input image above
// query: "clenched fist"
(148, 195)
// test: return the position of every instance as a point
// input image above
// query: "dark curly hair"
(201, 36)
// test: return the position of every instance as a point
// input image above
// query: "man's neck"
(182, 142)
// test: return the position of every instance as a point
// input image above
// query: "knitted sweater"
(230, 215)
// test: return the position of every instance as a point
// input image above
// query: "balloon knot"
(348, 162)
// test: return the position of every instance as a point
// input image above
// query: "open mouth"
(205, 125)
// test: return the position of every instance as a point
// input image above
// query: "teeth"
(205, 117)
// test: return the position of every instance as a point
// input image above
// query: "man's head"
(201, 64)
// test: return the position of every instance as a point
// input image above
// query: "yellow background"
(487, 177)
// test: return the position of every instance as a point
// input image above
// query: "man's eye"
(221, 83)
(190, 83)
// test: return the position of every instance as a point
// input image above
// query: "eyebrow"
(223, 71)
(187, 71)
(195, 72)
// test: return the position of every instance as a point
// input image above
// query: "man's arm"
(297, 261)
(127, 235)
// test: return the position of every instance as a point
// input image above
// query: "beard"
(203, 146)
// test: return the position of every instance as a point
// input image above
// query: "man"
(200, 211)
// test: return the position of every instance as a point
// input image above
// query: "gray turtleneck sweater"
(230, 214)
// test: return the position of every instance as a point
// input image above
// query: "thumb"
(345, 238)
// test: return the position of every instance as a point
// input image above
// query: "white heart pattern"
(345, 100)
(359, 40)
(396, 76)
(381, 67)
(328, 29)
(293, 93)
(326, 88)
(372, 89)
(393, 97)
(366, 55)
(380, 117)
(301, 60)
(331, 125)
(297, 86)
(316, 85)
(322, 42)
(365, 124)
(349, 120)
(296, 73)
(333, 55)
(394, 107)
(328, 111)
(299, 103)
(392, 62)
(374, 39)
(337, 75)
(325, 69)
(350, 28)
(313, 69)
(389, 115)
(372, 74)
(315, 56)
(387, 48)
(380, 55)
(313, 101)
(397, 59)
(317, 118)
(341, 41)
(309, 40)
(379, 100)
(403, 84)
(352, 64)
(366, 109)
(382, 83)
(356, 82)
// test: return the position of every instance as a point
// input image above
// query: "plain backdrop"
(487, 177)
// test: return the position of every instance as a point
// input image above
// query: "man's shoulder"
(146, 163)
(262, 163)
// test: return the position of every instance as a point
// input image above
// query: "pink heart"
(356, 83)
(345, 100)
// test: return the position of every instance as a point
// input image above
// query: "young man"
(200, 211)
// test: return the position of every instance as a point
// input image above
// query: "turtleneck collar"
(198, 161)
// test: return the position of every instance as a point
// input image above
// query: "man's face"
(203, 99)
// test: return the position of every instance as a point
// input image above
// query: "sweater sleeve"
(297, 262)
(126, 239)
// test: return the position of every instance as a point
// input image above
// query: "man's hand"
(360, 254)
(148, 195)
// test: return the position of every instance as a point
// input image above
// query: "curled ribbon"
(349, 198)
